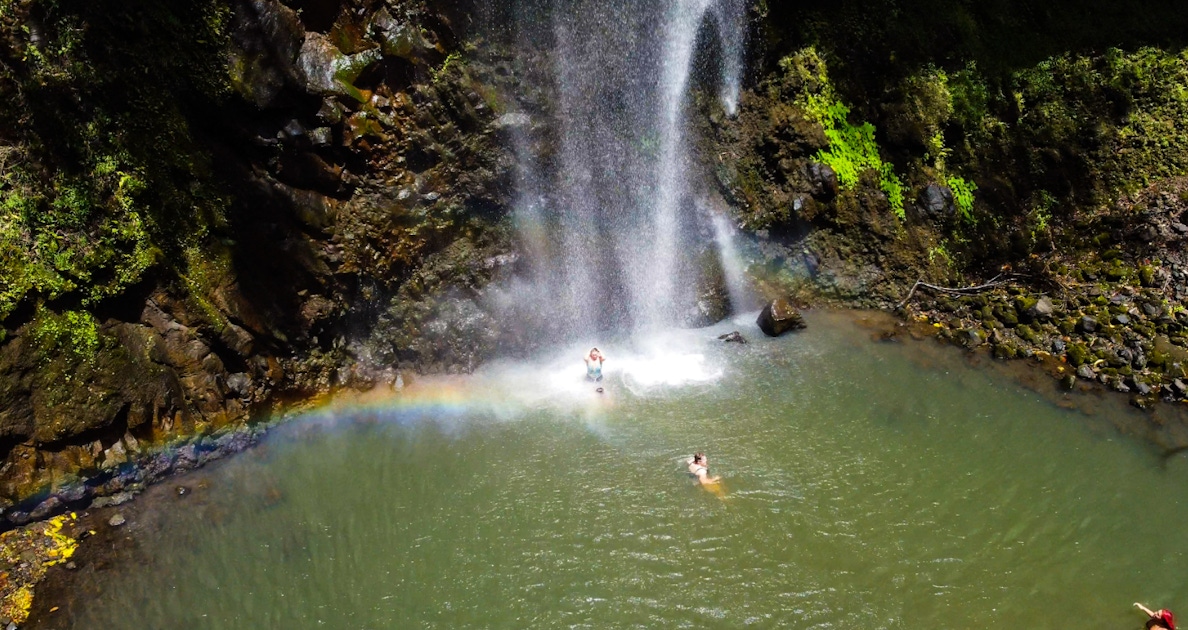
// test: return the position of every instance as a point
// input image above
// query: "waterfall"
(606, 212)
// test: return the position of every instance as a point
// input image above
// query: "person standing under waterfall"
(1161, 618)
(594, 360)
(699, 467)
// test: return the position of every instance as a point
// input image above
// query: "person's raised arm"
(1150, 613)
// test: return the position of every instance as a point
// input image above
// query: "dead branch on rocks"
(996, 281)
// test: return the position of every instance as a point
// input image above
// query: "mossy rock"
(1147, 275)
(1115, 272)
(1005, 351)
(1077, 354)
(1028, 334)
(1067, 326)
(1006, 315)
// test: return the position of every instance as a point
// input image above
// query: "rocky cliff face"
(1040, 162)
(351, 189)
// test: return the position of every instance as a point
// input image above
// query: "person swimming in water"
(699, 467)
(1161, 618)
(594, 360)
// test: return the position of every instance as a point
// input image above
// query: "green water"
(868, 485)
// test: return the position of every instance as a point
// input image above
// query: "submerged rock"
(733, 337)
(778, 317)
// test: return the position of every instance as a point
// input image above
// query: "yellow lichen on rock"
(25, 555)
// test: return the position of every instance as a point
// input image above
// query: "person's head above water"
(699, 458)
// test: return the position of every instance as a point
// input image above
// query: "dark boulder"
(935, 202)
(778, 317)
(823, 180)
(733, 337)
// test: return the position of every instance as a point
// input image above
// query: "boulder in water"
(778, 317)
(733, 337)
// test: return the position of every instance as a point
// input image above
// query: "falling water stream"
(612, 224)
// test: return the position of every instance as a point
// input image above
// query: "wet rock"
(1086, 373)
(46, 508)
(1087, 324)
(181, 491)
(325, 70)
(118, 498)
(778, 317)
(823, 180)
(733, 337)
(239, 383)
(73, 492)
(936, 202)
(116, 520)
(1122, 320)
(397, 38)
(1058, 346)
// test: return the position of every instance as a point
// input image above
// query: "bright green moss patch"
(852, 148)
(74, 333)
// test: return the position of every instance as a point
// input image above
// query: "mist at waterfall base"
(615, 214)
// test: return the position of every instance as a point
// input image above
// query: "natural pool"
(872, 485)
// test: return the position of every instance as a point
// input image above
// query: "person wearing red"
(1161, 618)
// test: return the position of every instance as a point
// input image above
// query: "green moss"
(100, 175)
(74, 333)
(1077, 354)
(852, 147)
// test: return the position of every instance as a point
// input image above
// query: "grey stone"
(1087, 324)
(1043, 308)
(46, 508)
(240, 383)
(325, 70)
(117, 520)
(513, 120)
(1058, 346)
(1086, 373)
(1122, 320)
(118, 498)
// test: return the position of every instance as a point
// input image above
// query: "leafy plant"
(963, 196)
(852, 148)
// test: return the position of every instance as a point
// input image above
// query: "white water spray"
(606, 213)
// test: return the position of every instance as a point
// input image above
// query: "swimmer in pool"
(699, 467)
(1161, 619)
(594, 360)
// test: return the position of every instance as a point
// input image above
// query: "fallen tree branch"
(994, 282)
